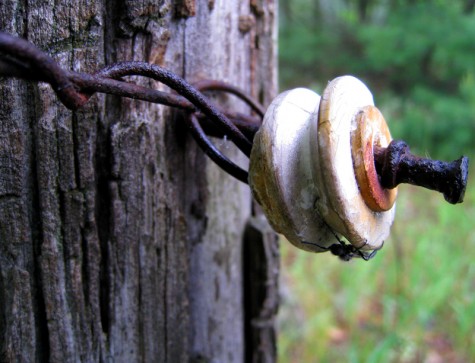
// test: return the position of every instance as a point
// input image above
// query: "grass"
(414, 302)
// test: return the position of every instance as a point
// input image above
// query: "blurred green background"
(415, 301)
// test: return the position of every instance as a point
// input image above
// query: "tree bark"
(119, 240)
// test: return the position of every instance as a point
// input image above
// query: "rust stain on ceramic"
(371, 130)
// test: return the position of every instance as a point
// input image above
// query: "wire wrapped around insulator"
(217, 156)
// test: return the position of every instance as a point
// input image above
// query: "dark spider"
(347, 251)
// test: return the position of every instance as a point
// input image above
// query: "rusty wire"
(21, 59)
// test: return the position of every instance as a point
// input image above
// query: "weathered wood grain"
(119, 240)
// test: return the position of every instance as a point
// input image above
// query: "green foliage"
(413, 302)
(418, 58)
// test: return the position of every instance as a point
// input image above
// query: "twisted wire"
(21, 59)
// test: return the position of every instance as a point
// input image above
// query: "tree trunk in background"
(119, 240)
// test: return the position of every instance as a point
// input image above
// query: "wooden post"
(119, 240)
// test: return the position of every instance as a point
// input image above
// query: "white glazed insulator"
(280, 175)
(304, 166)
(339, 199)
